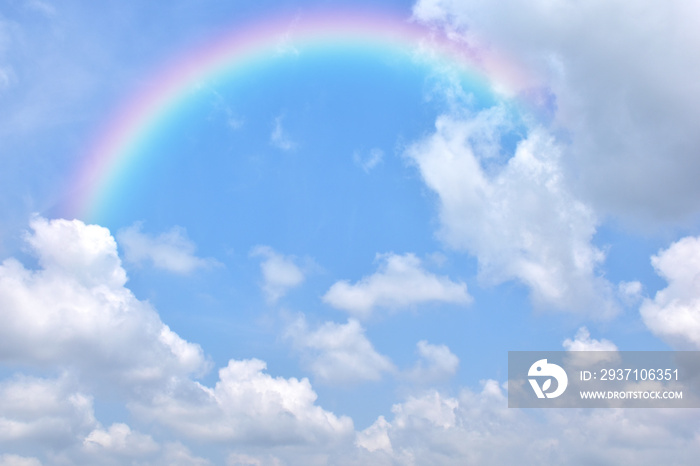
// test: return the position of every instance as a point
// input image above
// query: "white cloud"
(375, 437)
(246, 405)
(279, 137)
(121, 445)
(583, 342)
(176, 454)
(221, 107)
(400, 282)
(630, 292)
(280, 273)
(339, 353)
(240, 459)
(520, 220)
(75, 312)
(436, 363)
(171, 250)
(621, 76)
(477, 427)
(41, 7)
(16, 460)
(260, 415)
(674, 313)
(7, 78)
(369, 161)
(43, 413)
(119, 439)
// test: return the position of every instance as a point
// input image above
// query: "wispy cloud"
(370, 160)
(7, 77)
(280, 273)
(171, 250)
(42, 7)
(279, 137)
(231, 120)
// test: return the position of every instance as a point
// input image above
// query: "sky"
(310, 232)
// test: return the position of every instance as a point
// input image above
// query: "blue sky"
(325, 258)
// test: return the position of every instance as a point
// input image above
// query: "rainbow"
(110, 155)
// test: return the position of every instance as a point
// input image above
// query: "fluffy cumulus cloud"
(280, 273)
(477, 427)
(75, 312)
(583, 342)
(121, 440)
(43, 413)
(339, 353)
(520, 220)
(401, 282)
(171, 250)
(247, 406)
(674, 313)
(622, 77)
(436, 363)
(51, 415)
(432, 428)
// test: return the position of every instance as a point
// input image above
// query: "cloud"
(583, 342)
(222, 108)
(674, 313)
(399, 283)
(279, 137)
(280, 273)
(246, 406)
(171, 251)
(176, 454)
(43, 413)
(477, 427)
(41, 7)
(238, 459)
(339, 353)
(75, 312)
(375, 437)
(369, 161)
(121, 440)
(630, 292)
(437, 363)
(7, 78)
(520, 220)
(16, 460)
(621, 76)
